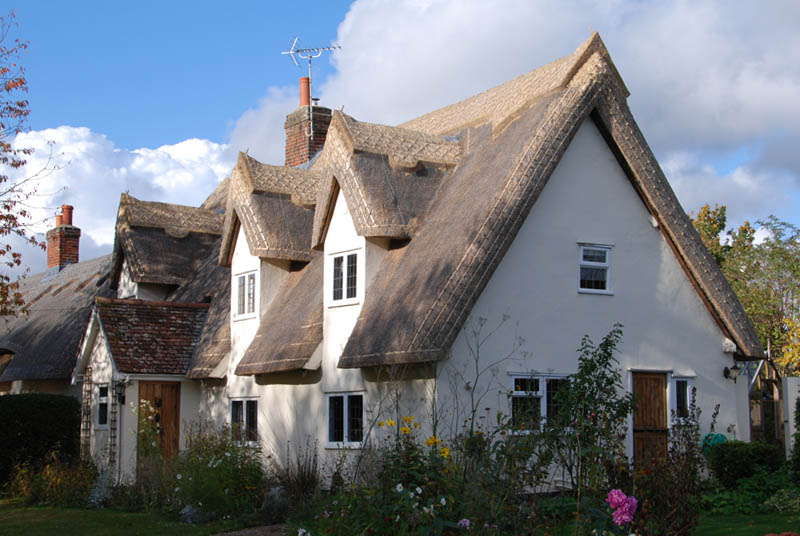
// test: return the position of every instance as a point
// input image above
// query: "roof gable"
(146, 337)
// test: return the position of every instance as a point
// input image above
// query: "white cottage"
(357, 278)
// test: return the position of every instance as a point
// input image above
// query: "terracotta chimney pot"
(67, 212)
(305, 91)
(58, 220)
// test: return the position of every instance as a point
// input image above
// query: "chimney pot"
(66, 210)
(305, 91)
(58, 220)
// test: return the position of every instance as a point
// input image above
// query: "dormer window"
(345, 278)
(245, 295)
(594, 269)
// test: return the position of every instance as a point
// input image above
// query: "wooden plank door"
(166, 399)
(650, 431)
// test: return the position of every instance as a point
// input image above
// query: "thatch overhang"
(291, 329)
(162, 243)
(274, 207)
(46, 338)
(423, 293)
(388, 176)
(149, 337)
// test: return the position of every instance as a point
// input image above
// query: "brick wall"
(300, 148)
(62, 245)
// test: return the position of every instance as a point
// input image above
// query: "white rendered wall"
(128, 288)
(667, 328)
(791, 390)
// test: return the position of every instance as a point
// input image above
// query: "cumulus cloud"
(707, 79)
(92, 172)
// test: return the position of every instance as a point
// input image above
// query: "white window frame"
(594, 264)
(103, 401)
(673, 394)
(245, 420)
(541, 393)
(359, 265)
(249, 280)
(346, 443)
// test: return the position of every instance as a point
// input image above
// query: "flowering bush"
(624, 507)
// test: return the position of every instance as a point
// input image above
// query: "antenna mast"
(308, 54)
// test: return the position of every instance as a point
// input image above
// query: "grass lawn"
(746, 525)
(16, 518)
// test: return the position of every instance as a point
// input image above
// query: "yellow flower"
(405, 430)
(408, 420)
(416, 424)
(380, 424)
(444, 452)
(433, 440)
(390, 422)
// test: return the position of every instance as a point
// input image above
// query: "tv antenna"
(308, 54)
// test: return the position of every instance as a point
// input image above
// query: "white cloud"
(94, 173)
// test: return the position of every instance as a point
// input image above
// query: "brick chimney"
(301, 146)
(63, 241)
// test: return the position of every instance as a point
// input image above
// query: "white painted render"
(791, 391)
(127, 288)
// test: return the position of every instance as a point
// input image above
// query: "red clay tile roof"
(148, 337)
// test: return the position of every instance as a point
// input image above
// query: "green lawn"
(746, 525)
(17, 519)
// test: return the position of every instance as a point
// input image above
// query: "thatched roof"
(148, 337)
(272, 205)
(422, 294)
(45, 340)
(291, 329)
(162, 242)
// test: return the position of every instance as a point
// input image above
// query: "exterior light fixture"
(119, 391)
(732, 373)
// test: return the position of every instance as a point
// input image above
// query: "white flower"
(411, 495)
(443, 501)
(303, 532)
(228, 454)
(399, 488)
(177, 489)
(419, 490)
(397, 519)
(179, 476)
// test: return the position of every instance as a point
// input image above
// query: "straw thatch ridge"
(271, 205)
(150, 337)
(388, 176)
(434, 282)
(291, 329)
(46, 339)
(161, 242)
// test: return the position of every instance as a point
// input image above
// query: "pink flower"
(464, 524)
(615, 498)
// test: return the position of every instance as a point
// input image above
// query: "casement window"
(594, 269)
(681, 396)
(345, 419)
(102, 405)
(244, 420)
(246, 294)
(534, 400)
(344, 278)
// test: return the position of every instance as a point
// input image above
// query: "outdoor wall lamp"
(732, 373)
(119, 391)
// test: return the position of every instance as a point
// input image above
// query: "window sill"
(343, 303)
(101, 427)
(593, 291)
(245, 317)
(344, 445)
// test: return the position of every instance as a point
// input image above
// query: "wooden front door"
(165, 397)
(650, 429)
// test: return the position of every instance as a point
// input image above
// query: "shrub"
(750, 494)
(35, 425)
(795, 461)
(299, 473)
(56, 483)
(784, 501)
(733, 460)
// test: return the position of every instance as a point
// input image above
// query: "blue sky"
(157, 98)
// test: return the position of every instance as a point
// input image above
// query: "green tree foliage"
(764, 275)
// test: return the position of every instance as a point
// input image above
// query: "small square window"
(346, 419)
(682, 397)
(534, 400)
(594, 269)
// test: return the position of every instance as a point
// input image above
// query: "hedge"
(733, 460)
(34, 425)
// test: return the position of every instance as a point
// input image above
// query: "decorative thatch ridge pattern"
(161, 242)
(435, 282)
(271, 204)
(46, 339)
